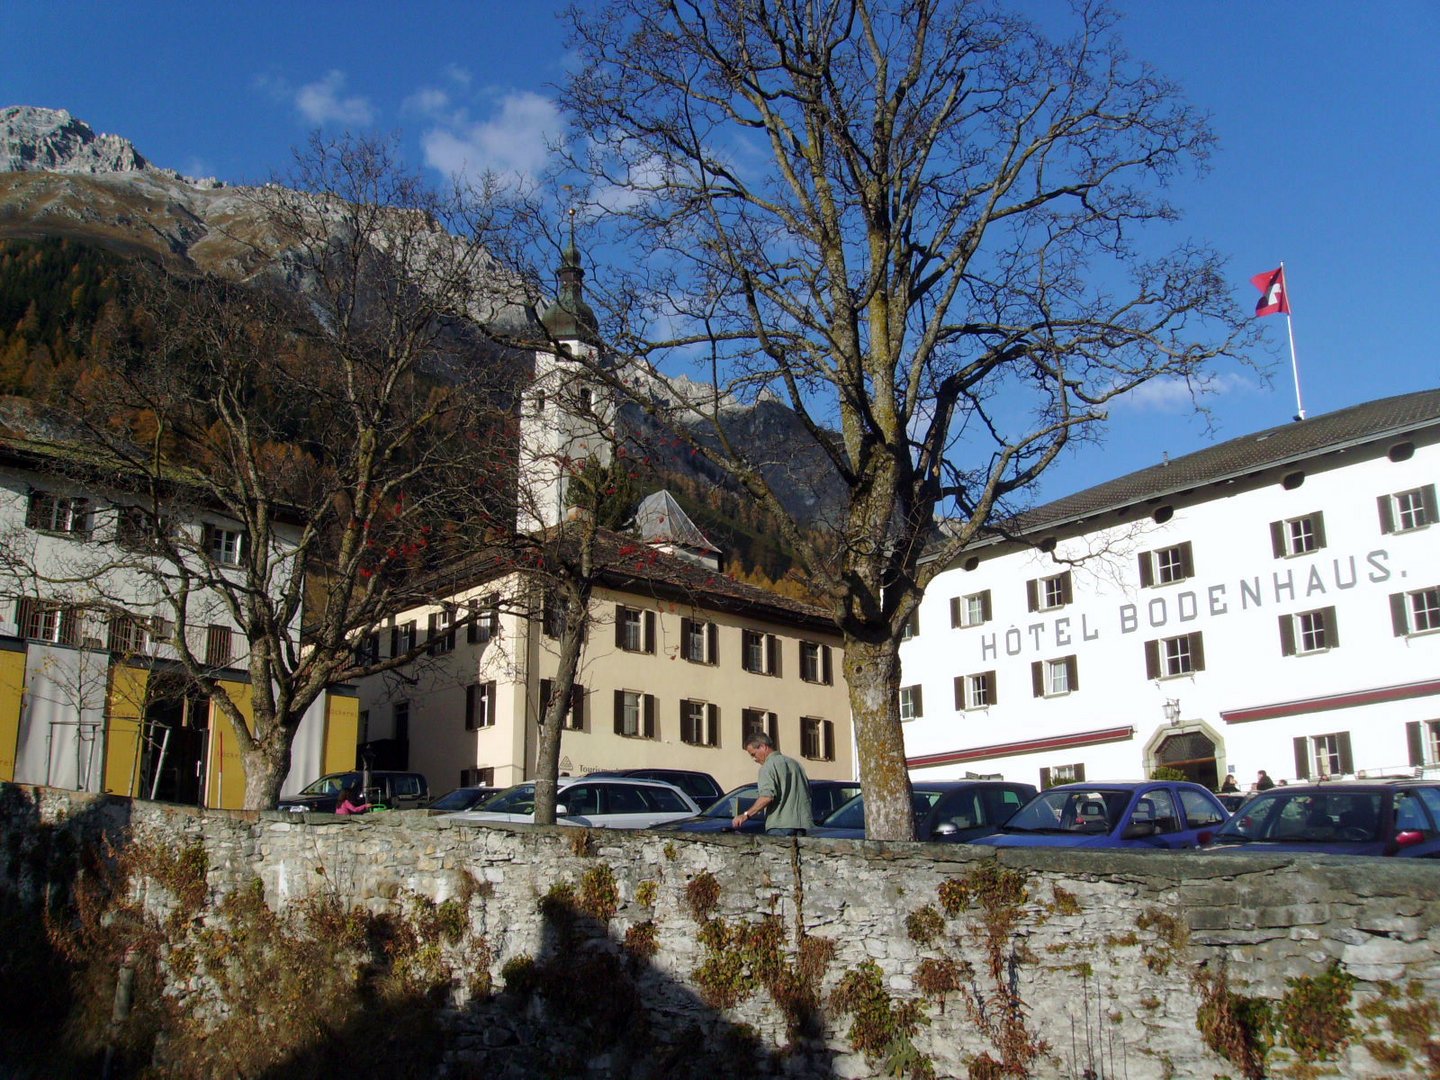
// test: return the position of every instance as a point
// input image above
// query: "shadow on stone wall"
(39, 867)
(587, 1004)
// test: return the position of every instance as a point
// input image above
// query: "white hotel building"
(1272, 602)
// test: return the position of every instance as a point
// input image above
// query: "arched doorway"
(1192, 753)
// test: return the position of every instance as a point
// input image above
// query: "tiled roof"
(1294, 442)
(629, 564)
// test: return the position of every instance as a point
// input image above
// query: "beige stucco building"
(679, 662)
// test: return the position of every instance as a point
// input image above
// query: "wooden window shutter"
(985, 605)
(1387, 513)
(686, 735)
(432, 623)
(472, 632)
(1415, 742)
(1302, 758)
(827, 671)
(577, 706)
(712, 641)
(712, 721)
(1400, 614)
(959, 692)
(919, 701)
(1287, 635)
(954, 612)
(620, 626)
(1032, 595)
(651, 720)
(1072, 669)
(1067, 588)
(993, 686)
(471, 692)
(1427, 499)
(1197, 652)
(1332, 628)
(1318, 523)
(1347, 760)
(649, 631)
(772, 655)
(828, 750)
(1044, 778)
(1037, 679)
(619, 712)
(24, 616)
(1277, 539)
(1147, 570)
(685, 624)
(547, 690)
(1187, 559)
(1152, 659)
(772, 725)
(69, 625)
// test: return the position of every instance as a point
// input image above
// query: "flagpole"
(1290, 330)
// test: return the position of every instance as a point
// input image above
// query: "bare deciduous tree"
(340, 423)
(920, 225)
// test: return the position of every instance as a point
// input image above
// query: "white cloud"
(427, 101)
(515, 141)
(1174, 395)
(322, 102)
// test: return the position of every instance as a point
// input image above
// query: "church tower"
(566, 414)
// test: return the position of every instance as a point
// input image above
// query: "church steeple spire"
(569, 317)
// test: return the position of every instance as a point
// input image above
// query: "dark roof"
(629, 564)
(1274, 447)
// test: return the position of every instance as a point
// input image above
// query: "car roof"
(1379, 784)
(954, 785)
(1123, 785)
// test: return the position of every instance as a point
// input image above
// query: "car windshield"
(459, 799)
(732, 803)
(1306, 818)
(1071, 810)
(517, 800)
(332, 785)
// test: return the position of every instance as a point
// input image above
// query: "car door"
(584, 805)
(1153, 821)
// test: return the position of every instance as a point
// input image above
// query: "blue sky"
(1328, 115)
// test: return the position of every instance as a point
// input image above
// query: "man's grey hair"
(758, 738)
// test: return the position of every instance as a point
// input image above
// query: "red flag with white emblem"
(1277, 296)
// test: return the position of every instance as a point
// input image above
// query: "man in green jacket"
(784, 790)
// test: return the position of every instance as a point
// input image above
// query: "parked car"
(606, 802)
(1398, 818)
(381, 789)
(700, 786)
(1233, 800)
(825, 797)
(461, 798)
(1128, 814)
(955, 811)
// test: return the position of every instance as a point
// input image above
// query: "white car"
(613, 802)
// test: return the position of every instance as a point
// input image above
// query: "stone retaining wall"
(1100, 957)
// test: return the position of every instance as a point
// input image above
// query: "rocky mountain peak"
(34, 139)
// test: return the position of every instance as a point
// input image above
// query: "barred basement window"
(218, 651)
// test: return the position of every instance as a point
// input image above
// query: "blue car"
(1397, 818)
(955, 811)
(1128, 814)
(825, 797)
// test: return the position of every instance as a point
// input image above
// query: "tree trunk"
(872, 672)
(266, 767)
(547, 752)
